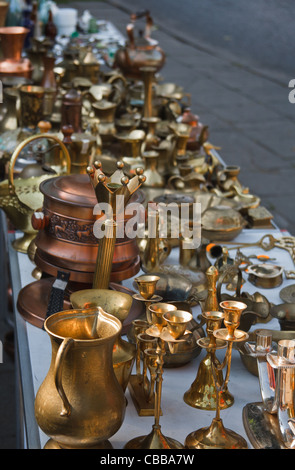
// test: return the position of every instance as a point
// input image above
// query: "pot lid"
(70, 189)
(76, 189)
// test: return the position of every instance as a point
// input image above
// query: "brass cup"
(232, 314)
(156, 312)
(177, 322)
(147, 285)
(213, 322)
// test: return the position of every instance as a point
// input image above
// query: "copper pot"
(12, 40)
(65, 240)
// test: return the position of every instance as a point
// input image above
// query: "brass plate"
(287, 294)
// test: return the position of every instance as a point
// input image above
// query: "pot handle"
(61, 353)
(28, 140)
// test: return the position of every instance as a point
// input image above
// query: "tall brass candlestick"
(216, 436)
(148, 74)
(155, 439)
(202, 392)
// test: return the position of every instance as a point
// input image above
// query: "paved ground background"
(249, 116)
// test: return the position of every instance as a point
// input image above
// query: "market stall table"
(179, 419)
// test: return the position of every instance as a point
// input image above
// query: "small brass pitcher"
(80, 403)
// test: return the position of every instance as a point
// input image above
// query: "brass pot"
(80, 403)
(66, 240)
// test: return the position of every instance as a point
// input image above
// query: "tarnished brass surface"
(221, 224)
(80, 403)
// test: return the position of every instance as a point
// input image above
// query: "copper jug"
(80, 403)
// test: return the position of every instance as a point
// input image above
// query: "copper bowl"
(66, 241)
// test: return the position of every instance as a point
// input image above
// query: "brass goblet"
(155, 439)
(177, 321)
(216, 436)
(202, 392)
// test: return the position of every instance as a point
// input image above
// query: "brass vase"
(31, 105)
(80, 403)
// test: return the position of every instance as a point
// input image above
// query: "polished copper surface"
(67, 242)
(33, 301)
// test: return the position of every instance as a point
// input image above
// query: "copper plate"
(33, 300)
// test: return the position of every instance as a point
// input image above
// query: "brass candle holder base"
(22, 244)
(142, 406)
(216, 436)
(154, 440)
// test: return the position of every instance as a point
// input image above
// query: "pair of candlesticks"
(165, 324)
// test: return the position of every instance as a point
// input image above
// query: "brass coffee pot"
(80, 403)
(139, 52)
(20, 197)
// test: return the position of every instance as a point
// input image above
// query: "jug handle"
(30, 139)
(61, 353)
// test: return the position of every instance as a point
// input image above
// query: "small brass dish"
(222, 223)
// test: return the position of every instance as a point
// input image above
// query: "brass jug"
(80, 403)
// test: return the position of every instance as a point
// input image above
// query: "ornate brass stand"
(202, 392)
(162, 314)
(216, 436)
(140, 388)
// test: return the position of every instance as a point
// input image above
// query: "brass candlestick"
(216, 436)
(148, 76)
(114, 191)
(140, 387)
(155, 439)
(202, 392)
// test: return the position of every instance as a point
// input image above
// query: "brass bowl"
(265, 275)
(113, 302)
(250, 362)
(221, 223)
